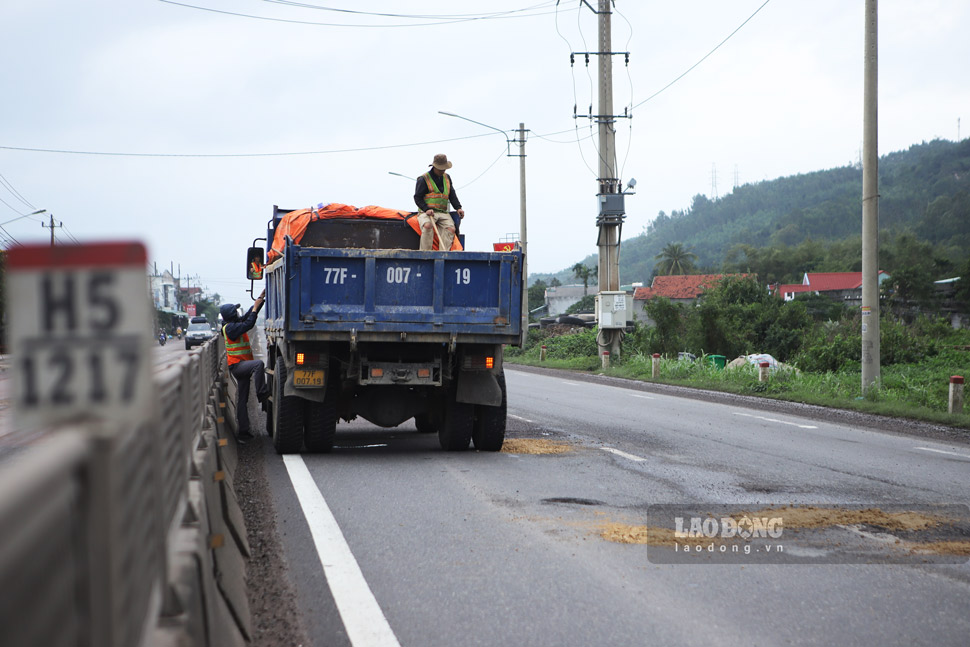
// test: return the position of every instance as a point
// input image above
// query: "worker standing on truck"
(432, 194)
(239, 356)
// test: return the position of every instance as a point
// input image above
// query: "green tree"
(537, 296)
(674, 258)
(586, 304)
(584, 273)
(669, 319)
(913, 265)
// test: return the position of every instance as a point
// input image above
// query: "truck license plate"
(305, 377)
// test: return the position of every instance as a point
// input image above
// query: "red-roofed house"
(681, 288)
(845, 287)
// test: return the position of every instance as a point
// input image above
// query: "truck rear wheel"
(488, 432)
(455, 432)
(321, 422)
(287, 415)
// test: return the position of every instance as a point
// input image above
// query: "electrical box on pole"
(613, 310)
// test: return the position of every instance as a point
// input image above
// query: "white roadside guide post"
(956, 394)
(80, 335)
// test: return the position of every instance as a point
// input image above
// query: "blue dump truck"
(361, 323)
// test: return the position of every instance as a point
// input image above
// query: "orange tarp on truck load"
(294, 224)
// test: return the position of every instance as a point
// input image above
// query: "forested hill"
(925, 190)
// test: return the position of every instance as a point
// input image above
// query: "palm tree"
(584, 273)
(674, 258)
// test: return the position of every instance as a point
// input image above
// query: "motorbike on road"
(162, 338)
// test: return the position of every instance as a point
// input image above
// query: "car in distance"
(198, 333)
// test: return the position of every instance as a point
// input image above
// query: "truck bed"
(318, 293)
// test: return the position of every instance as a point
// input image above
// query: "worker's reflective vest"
(239, 350)
(434, 200)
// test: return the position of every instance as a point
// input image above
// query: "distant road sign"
(80, 333)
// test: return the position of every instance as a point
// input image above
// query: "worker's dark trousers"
(243, 371)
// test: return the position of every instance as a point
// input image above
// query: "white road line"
(520, 418)
(612, 450)
(572, 383)
(783, 422)
(941, 451)
(643, 397)
(362, 617)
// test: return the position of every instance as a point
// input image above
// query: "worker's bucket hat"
(441, 162)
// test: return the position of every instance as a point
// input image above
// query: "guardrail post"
(606, 359)
(763, 371)
(956, 394)
(655, 369)
(542, 354)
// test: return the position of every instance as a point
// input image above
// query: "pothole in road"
(573, 501)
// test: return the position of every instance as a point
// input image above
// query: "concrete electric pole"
(51, 226)
(523, 238)
(611, 308)
(870, 204)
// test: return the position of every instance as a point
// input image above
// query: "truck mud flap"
(478, 387)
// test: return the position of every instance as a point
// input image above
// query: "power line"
(70, 235)
(704, 57)
(206, 155)
(336, 151)
(410, 16)
(11, 207)
(328, 24)
(489, 168)
(6, 183)
(9, 235)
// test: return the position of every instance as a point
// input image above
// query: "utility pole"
(870, 203)
(612, 210)
(522, 233)
(51, 226)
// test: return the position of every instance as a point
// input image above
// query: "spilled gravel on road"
(818, 517)
(808, 517)
(622, 533)
(535, 446)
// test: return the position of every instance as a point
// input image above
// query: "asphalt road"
(390, 540)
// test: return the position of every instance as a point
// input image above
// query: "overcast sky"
(197, 93)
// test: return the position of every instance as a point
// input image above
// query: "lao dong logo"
(729, 527)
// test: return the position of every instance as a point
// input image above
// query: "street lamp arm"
(26, 215)
(508, 142)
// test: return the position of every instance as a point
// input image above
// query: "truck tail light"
(478, 362)
(424, 373)
(377, 372)
(307, 358)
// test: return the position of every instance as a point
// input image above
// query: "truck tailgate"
(403, 291)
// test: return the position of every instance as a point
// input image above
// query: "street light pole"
(523, 239)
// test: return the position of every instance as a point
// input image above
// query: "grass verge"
(911, 391)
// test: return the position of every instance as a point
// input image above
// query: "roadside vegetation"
(818, 341)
